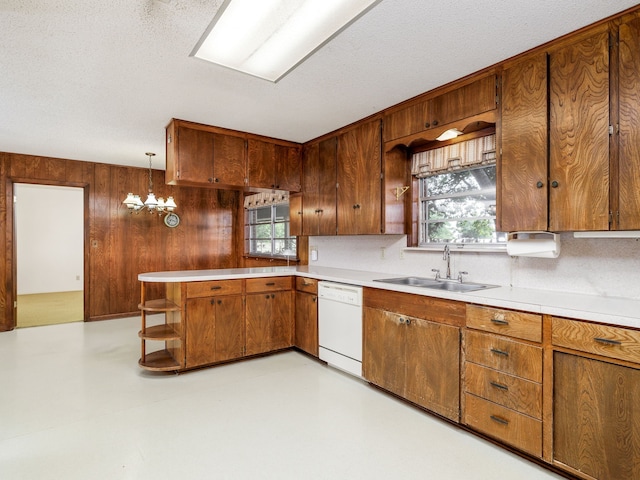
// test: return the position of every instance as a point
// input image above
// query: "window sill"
(460, 248)
(271, 257)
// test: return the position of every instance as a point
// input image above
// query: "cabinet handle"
(408, 321)
(498, 321)
(434, 123)
(314, 299)
(273, 295)
(213, 301)
(401, 320)
(499, 385)
(210, 180)
(499, 352)
(427, 125)
(216, 180)
(539, 184)
(499, 420)
(270, 284)
(554, 184)
(607, 341)
(216, 288)
(266, 296)
(219, 302)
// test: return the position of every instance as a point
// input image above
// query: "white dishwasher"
(340, 326)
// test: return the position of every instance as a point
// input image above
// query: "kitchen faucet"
(446, 255)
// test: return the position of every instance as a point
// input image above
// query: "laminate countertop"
(618, 311)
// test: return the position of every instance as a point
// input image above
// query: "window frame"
(252, 241)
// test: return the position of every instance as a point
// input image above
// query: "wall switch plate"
(313, 254)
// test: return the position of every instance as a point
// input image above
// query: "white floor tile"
(75, 405)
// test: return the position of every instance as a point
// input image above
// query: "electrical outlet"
(382, 252)
(401, 254)
(313, 253)
(77, 277)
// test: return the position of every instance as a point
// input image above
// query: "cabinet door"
(306, 323)
(596, 419)
(433, 367)
(229, 160)
(310, 188)
(384, 351)
(359, 183)
(195, 155)
(579, 135)
(629, 138)
(229, 328)
(261, 164)
(407, 121)
(295, 214)
(472, 99)
(200, 333)
(269, 321)
(288, 164)
(523, 164)
(319, 187)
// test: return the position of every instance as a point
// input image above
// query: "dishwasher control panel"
(339, 292)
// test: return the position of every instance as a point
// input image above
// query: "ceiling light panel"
(268, 38)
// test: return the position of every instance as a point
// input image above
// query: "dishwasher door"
(340, 326)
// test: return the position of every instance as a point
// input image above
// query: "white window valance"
(264, 199)
(478, 151)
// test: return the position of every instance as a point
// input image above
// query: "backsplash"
(608, 267)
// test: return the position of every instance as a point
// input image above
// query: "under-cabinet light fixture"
(134, 203)
(449, 134)
(269, 38)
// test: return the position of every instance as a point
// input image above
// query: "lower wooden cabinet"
(306, 322)
(269, 320)
(413, 358)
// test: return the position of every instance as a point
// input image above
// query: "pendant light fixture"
(134, 203)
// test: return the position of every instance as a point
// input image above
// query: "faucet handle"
(437, 272)
(460, 274)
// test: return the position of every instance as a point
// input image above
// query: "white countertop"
(612, 310)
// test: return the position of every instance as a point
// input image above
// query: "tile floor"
(75, 405)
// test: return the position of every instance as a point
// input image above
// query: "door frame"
(12, 236)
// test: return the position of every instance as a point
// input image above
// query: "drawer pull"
(216, 288)
(499, 420)
(307, 284)
(499, 385)
(498, 321)
(499, 352)
(270, 284)
(607, 341)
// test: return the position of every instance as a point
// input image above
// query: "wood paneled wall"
(120, 245)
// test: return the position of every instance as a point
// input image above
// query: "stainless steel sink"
(440, 284)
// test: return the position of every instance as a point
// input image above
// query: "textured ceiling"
(98, 81)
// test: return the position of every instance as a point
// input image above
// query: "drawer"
(508, 426)
(309, 285)
(527, 326)
(214, 288)
(269, 284)
(501, 353)
(509, 391)
(613, 342)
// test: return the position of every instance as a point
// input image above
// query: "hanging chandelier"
(134, 203)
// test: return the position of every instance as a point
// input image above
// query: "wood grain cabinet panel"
(596, 418)
(319, 187)
(527, 326)
(306, 322)
(359, 183)
(214, 288)
(273, 166)
(523, 164)
(579, 135)
(269, 321)
(230, 328)
(268, 284)
(629, 130)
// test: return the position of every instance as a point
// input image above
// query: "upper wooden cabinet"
(319, 187)
(579, 135)
(466, 101)
(359, 182)
(523, 164)
(273, 166)
(200, 155)
(628, 195)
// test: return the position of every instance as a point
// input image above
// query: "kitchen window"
(267, 231)
(457, 195)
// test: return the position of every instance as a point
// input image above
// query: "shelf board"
(159, 305)
(159, 332)
(160, 361)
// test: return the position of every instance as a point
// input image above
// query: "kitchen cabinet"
(579, 135)
(466, 101)
(319, 187)
(522, 184)
(413, 357)
(214, 330)
(295, 214)
(503, 367)
(359, 171)
(269, 314)
(306, 315)
(204, 156)
(273, 166)
(596, 382)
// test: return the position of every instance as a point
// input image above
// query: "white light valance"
(478, 151)
(264, 199)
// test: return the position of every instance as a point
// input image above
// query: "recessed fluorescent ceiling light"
(268, 38)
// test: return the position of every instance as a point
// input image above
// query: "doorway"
(49, 233)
